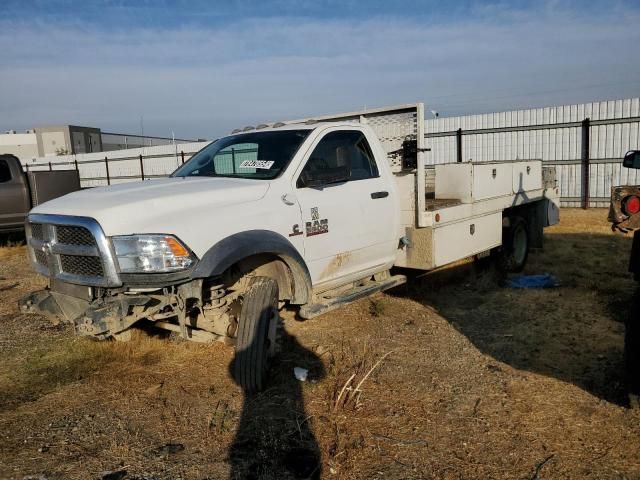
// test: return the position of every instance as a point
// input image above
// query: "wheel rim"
(519, 245)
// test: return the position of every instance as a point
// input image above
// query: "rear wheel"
(512, 257)
(256, 341)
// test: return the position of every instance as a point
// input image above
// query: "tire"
(512, 257)
(256, 342)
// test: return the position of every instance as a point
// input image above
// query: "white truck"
(313, 213)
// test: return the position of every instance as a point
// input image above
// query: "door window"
(5, 172)
(342, 151)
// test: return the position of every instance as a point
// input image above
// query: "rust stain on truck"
(337, 262)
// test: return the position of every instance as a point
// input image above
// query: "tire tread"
(253, 327)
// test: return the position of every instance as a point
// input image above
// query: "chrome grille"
(71, 249)
(85, 266)
(41, 257)
(37, 231)
(74, 235)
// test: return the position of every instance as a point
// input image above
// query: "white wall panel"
(561, 146)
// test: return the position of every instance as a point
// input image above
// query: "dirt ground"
(467, 379)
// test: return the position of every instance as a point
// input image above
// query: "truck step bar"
(327, 304)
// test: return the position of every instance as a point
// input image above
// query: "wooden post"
(75, 161)
(106, 166)
(141, 168)
(182, 155)
(459, 145)
(50, 167)
(586, 163)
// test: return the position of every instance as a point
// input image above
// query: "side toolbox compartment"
(527, 176)
(433, 247)
(492, 180)
(465, 238)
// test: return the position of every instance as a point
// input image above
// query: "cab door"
(346, 209)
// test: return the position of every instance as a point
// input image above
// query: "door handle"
(375, 195)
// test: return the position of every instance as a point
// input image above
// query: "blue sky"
(203, 68)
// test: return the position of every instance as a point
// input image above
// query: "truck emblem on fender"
(316, 226)
(296, 231)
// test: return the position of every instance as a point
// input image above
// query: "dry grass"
(453, 376)
(11, 249)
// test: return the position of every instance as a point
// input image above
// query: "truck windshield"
(255, 155)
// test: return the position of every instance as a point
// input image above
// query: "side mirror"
(323, 177)
(632, 159)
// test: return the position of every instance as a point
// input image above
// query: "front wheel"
(257, 334)
(512, 257)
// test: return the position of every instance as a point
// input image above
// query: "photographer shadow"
(274, 438)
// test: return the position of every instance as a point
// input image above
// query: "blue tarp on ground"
(533, 281)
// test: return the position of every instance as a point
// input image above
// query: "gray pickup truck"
(20, 191)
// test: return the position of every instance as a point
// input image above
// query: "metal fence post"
(585, 157)
(182, 155)
(75, 161)
(50, 167)
(233, 160)
(106, 166)
(141, 168)
(459, 145)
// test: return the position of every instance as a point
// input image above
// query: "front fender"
(239, 246)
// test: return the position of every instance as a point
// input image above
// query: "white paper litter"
(301, 373)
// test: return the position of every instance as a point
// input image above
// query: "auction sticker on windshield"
(264, 164)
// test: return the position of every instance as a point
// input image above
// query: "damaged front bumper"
(92, 317)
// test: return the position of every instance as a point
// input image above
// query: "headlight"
(151, 254)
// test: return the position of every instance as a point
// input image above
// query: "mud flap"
(553, 212)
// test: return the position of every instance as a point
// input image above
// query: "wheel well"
(272, 266)
(236, 252)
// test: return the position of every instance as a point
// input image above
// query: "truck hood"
(144, 207)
